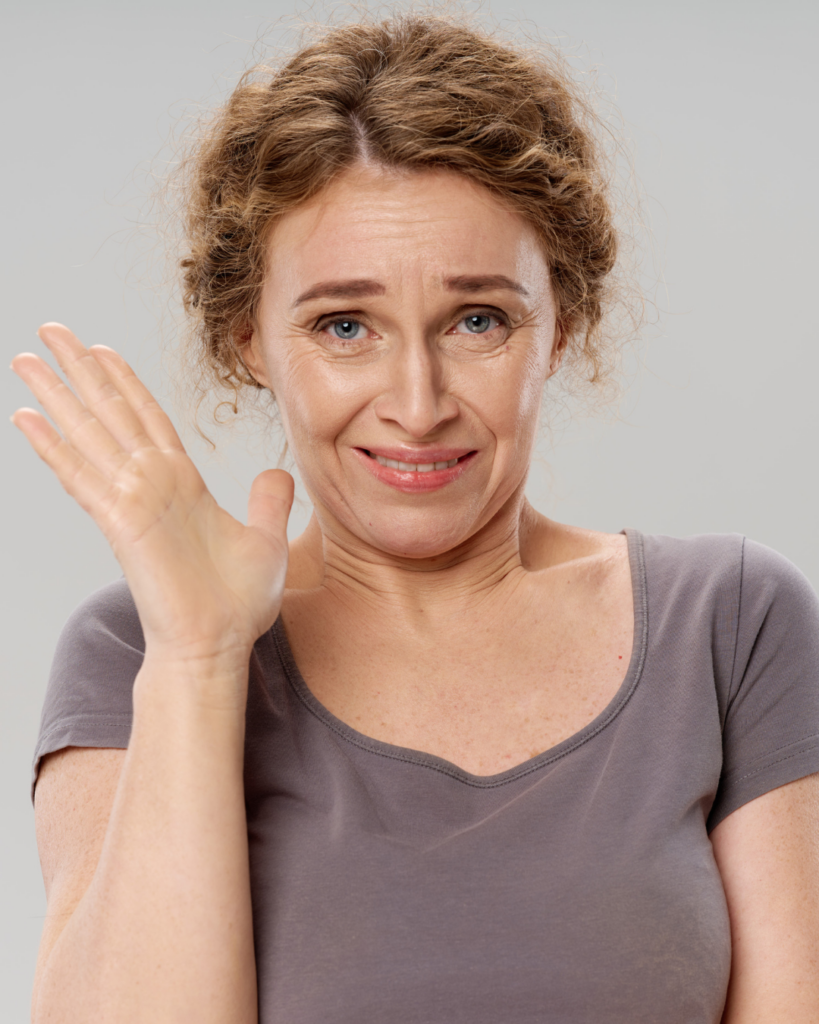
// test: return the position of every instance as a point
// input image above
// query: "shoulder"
(108, 615)
(778, 617)
(100, 648)
(768, 575)
(88, 699)
(757, 573)
(101, 643)
(696, 558)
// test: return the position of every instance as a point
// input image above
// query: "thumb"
(271, 498)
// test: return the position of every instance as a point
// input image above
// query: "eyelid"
(493, 311)
(467, 310)
(346, 314)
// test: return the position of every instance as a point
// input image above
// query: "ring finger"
(80, 428)
(95, 387)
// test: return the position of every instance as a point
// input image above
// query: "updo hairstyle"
(412, 92)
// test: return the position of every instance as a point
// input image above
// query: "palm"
(199, 577)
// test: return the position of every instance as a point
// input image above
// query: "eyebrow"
(361, 287)
(483, 282)
(357, 288)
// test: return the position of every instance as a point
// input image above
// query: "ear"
(248, 344)
(561, 340)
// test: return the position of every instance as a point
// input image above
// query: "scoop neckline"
(636, 557)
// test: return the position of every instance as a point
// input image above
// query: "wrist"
(197, 656)
(210, 680)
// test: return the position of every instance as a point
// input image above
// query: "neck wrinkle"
(464, 577)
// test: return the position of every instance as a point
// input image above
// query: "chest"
(495, 689)
(393, 888)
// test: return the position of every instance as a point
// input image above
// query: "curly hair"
(415, 91)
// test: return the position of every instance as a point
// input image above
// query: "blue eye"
(347, 330)
(478, 323)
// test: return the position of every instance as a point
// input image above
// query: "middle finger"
(95, 387)
(81, 429)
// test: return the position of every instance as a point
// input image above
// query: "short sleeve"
(88, 701)
(771, 729)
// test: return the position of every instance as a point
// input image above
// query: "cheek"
(508, 400)
(316, 399)
(535, 371)
(531, 390)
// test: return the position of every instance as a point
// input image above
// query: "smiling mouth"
(415, 467)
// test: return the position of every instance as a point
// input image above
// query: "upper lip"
(418, 456)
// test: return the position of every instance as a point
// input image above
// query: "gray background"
(717, 430)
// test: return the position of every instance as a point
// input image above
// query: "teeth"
(411, 467)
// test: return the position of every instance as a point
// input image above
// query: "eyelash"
(337, 318)
(495, 314)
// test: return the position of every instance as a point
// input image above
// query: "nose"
(416, 398)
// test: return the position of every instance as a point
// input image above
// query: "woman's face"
(406, 322)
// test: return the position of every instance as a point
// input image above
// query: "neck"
(337, 561)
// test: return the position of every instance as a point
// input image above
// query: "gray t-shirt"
(391, 886)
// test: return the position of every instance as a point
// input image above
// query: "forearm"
(164, 932)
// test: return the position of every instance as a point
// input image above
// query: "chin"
(418, 540)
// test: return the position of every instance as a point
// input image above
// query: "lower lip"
(411, 481)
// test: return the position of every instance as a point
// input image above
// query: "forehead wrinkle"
(312, 234)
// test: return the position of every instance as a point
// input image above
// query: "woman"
(444, 760)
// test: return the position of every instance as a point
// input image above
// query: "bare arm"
(163, 931)
(768, 856)
(72, 806)
(150, 914)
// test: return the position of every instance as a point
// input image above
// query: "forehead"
(379, 224)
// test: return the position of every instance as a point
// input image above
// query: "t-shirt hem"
(786, 764)
(112, 729)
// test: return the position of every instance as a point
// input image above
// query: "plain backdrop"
(717, 431)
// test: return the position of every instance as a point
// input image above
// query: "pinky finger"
(80, 479)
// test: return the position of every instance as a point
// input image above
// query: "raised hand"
(205, 585)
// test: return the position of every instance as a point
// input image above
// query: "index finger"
(99, 374)
(155, 421)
